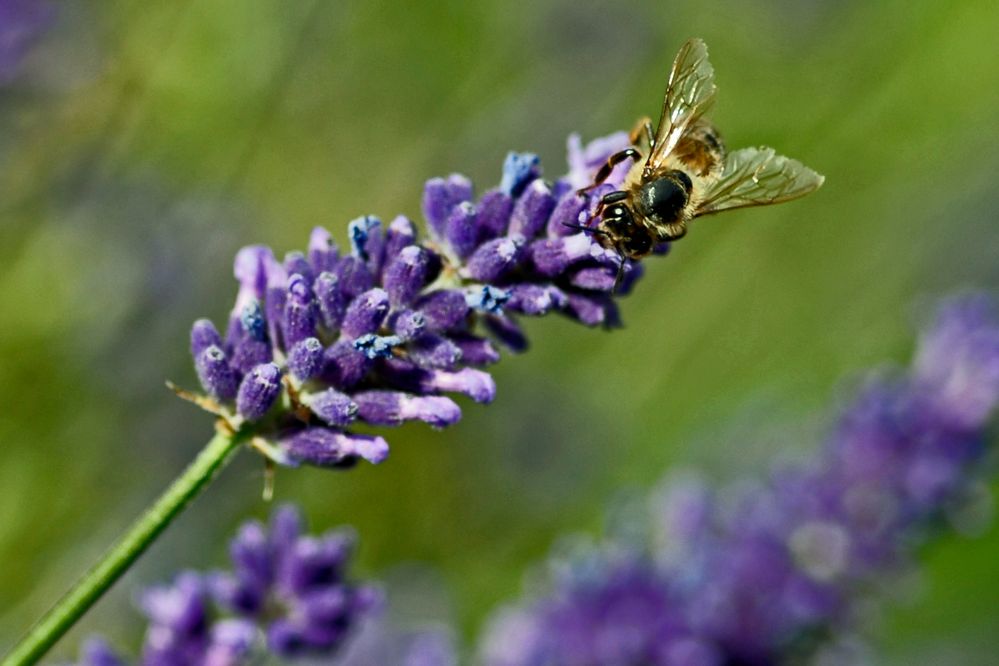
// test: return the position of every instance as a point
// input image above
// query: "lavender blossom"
(22, 22)
(324, 341)
(286, 592)
(773, 571)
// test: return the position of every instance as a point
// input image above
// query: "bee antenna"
(585, 229)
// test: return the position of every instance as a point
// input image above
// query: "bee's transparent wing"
(757, 177)
(689, 93)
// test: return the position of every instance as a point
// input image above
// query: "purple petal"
(204, 335)
(301, 311)
(530, 213)
(461, 229)
(401, 233)
(216, 376)
(365, 313)
(331, 299)
(323, 251)
(327, 448)
(406, 275)
(493, 259)
(494, 207)
(443, 309)
(305, 360)
(332, 407)
(343, 365)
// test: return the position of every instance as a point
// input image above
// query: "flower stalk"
(216, 454)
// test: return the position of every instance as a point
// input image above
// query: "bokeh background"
(142, 143)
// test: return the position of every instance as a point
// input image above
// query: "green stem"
(120, 557)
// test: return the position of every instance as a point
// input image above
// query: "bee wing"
(757, 177)
(689, 93)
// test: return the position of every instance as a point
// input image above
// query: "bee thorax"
(662, 200)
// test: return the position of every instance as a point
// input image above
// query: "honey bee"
(688, 172)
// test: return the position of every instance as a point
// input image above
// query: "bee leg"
(644, 124)
(608, 167)
(620, 275)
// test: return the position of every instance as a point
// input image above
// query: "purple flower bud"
(251, 268)
(231, 641)
(365, 313)
(536, 299)
(569, 212)
(440, 196)
(366, 239)
(277, 297)
(216, 377)
(323, 447)
(507, 331)
(377, 346)
(461, 229)
(250, 553)
(332, 407)
(305, 360)
(343, 365)
(332, 301)
(296, 263)
(258, 391)
(96, 652)
(584, 161)
(591, 311)
(519, 169)
(475, 350)
(530, 213)
(401, 233)
(354, 276)
(476, 384)
(408, 324)
(487, 298)
(323, 252)
(391, 408)
(301, 311)
(204, 335)
(443, 309)
(247, 350)
(494, 213)
(493, 259)
(595, 278)
(181, 607)
(434, 351)
(406, 274)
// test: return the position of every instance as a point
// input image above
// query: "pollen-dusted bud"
(567, 215)
(400, 233)
(258, 391)
(408, 324)
(462, 229)
(530, 213)
(301, 311)
(305, 359)
(493, 259)
(440, 196)
(392, 408)
(406, 274)
(333, 407)
(295, 263)
(204, 335)
(343, 365)
(507, 331)
(365, 313)
(434, 351)
(475, 350)
(494, 213)
(443, 309)
(331, 299)
(323, 252)
(216, 376)
(354, 276)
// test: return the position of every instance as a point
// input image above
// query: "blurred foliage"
(143, 143)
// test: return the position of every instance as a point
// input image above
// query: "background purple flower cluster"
(286, 591)
(772, 572)
(324, 340)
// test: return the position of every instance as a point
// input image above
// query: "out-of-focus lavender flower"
(772, 572)
(22, 22)
(326, 340)
(286, 592)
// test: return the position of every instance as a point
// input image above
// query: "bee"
(688, 172)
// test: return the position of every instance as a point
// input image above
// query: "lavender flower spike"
(779, 571)
(324, 342)
(284, 592)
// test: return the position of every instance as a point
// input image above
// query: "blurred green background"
(143, 143)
